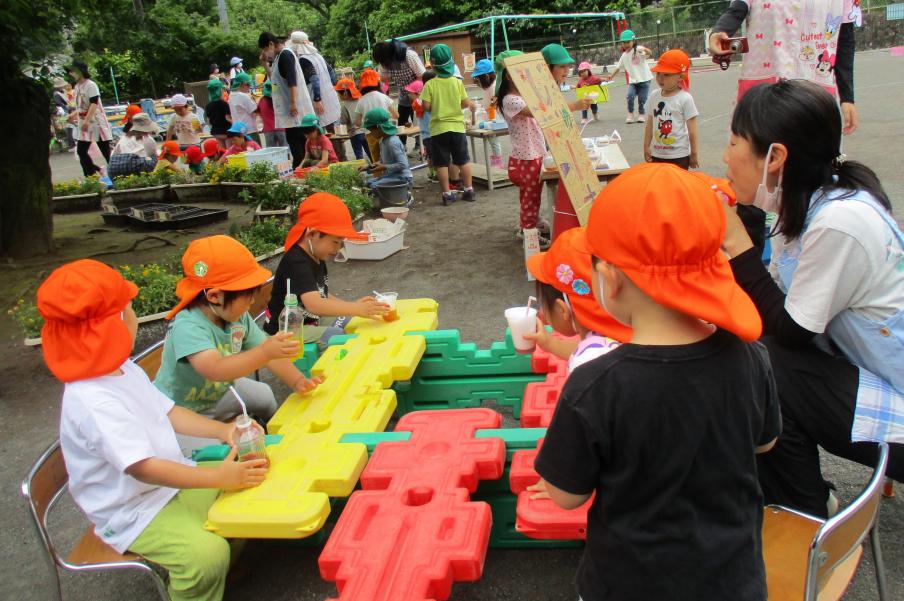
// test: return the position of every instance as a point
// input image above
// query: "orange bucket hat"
(567, 268)
(663, 227)
(171, 147)
(369, 78)
(349, 85)
(217, 262)
(84, 335)
(675, 61)
(131, 111)
(325, 213)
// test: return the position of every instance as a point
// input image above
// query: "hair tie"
(838, 161)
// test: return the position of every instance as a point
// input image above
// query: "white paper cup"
(390, 299)
(522, 322)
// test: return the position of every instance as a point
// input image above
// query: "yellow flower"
(146, 273)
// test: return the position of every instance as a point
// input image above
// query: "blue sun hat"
(483, 67)
(239, 128)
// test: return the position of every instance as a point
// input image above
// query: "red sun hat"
(194, 155)
(84, 335)
(217, 262)
(675, 61)
(663, 227)
(171, 147)
(324, 213)
(211, 147)
(568, 269)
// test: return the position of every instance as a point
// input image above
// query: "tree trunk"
(26, 217)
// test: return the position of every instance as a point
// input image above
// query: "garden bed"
(195, 193)
(77, 202)
(136, 196)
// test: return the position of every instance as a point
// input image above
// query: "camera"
(735, 45)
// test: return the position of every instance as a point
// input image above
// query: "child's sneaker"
(630, 118)
(431, 176)
(468, 195)
(449, 197)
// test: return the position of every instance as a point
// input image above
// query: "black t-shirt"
(307, 275)
(216, 112)
(286, 62)
(666, 436)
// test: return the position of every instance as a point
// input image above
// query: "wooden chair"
(43, 487)
(811, 559)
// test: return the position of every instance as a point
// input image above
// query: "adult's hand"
(851, 121)
(715, 43)
(318, 107)
(293, 110)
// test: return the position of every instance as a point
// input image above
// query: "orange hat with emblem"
(675, 61)
(663, 228)
(217, 262)
(349, 86)
(369, 78)
(568, 269)
(324, 213)
(84, 335)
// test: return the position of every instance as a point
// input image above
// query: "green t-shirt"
(189, 333)
(445, 96)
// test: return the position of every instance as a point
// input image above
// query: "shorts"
(450, 148)
(683, 162)
(427, 142)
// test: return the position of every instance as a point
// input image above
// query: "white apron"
(282, 95)
(328, 96)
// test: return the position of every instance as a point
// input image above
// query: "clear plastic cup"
(522, 321)
(390, 299)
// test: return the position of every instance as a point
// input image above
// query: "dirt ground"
(467, 258)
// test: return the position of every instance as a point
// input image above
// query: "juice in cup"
(390, 299)
(522, 320)
(249, 440)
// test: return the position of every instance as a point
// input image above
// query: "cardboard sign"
(469, 61)
(535, 84)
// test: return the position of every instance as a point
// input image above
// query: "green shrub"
(89, 185)
(215, 173)
(164, 177)
(273, 196)
(260, 173)
(156, 287)
(347, 183)
(263, 236)
(28, 318)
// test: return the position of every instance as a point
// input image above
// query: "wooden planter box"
(76, 202)
(136, 196)
(196, 193)
(229, 191)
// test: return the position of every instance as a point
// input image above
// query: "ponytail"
(854, 175)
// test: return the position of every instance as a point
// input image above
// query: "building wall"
(458, 41)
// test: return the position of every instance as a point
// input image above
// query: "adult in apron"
(291, 101)
(328, 96)
(833, 304)
(796, 39)
(92, 125)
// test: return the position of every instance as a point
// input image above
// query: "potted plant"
(197, 189)
(231, 179)
(75, 195)
(275, 199)
(141, 188)
(347, 183)
(264, 238)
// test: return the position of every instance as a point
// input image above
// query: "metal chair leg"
(877, 560)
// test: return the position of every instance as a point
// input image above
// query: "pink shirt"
(235, 149)
(527, 137)
(315, 149)
(265, 109)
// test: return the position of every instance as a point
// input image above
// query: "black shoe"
(449, 198)
(468, 195)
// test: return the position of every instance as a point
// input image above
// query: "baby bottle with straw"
(292, 320)
(249, 440)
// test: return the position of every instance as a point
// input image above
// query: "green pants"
(197, 560)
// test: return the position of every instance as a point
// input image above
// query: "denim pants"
(359, 146)
(640, 91)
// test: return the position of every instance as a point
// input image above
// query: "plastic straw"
(530, 301)
(288, 292)
(239, 399)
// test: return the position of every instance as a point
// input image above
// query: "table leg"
(473, 150)
(486, 162)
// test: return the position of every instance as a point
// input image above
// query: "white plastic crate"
(374, 251)
(275, 155)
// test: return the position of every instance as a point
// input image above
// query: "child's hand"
(606, 77)
(303, 384)
(647, 155)
(539, 490)
(237, 475)
(282, 345)
(371, 308)
(541, 336)
(230, 432)
(585, 103)
(694, 161)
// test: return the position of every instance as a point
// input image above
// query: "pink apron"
(794, 39)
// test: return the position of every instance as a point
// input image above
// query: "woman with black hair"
(93, 126)
(399, 65)
(833, 304)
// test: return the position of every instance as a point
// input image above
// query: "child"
(136, 151)
(372, 98)
(318, 149)
(273, 136)
(212, 150)
(672, 114)
(184, 125)
(323, 223)
(393, 160)
(445, 96)
(564, 274)
(213, 343)
(485, 76)
(528, 149)
(242, 105)
(168, 159)
(665, 429)
(194, 158)
(587, 78)
(634, 62)
(118, 435)
(349, 96)
(239, 141)
(423, 122)
(217, 113)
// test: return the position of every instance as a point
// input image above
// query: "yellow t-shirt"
(445, 96)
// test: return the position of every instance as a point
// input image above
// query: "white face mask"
(574, 324)
(764, 199)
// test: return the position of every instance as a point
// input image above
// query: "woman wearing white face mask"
(833, 304)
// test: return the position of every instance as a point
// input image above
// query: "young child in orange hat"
(168, 159)
(666, 428)
(324, 222)
(118, 435)
(213, 343)
(670, 134)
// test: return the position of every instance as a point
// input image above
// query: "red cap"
(675, 61)
(217, 262)
(131, 111)
(324, 213)
(194, 155)
(663, 227)
(211, 147)
(568, 269)
(84, 335)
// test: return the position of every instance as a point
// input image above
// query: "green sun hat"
(242, 78)
(441, 57)
(311, 121)
(379, 118)
(626, 36)
(214, 90)
(499, 66)
(555, 54)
